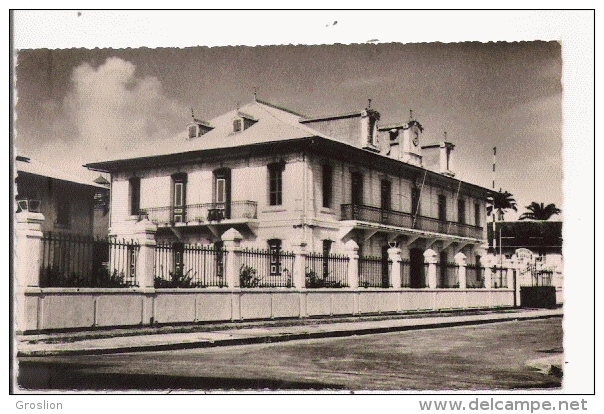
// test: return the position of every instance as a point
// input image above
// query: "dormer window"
(198, 128)
(237, 125)
(192, 131)
(243, 122)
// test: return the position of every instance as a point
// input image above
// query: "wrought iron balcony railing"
(406, 220)
(204, 213)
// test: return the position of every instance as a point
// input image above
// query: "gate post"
(299, 270)
(144, 235)
(460, 261)
(488, 262)
(28, 248)
(28, 251)
(394, 254)
(232, 245)
(352, 248)
(430, 258)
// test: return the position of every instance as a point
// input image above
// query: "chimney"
(369, 128)
(446, 165)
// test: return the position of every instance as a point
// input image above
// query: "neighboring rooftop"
(528, 234)
(32, 166)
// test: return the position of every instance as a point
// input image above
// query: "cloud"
(115, 110)
(108, 110)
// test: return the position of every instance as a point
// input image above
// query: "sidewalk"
(144, 339)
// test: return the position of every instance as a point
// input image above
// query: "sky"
(80, 105)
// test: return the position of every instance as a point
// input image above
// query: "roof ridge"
(281, 108)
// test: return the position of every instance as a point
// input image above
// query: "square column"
(299, 269)
(430, 259)
(352, 249)
(144, 235)
(460, 261)
(488, 262)
(394, 254)
(232, 245)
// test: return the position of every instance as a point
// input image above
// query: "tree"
(537, 211)
(500, 202)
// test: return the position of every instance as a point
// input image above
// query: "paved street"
(491, 356)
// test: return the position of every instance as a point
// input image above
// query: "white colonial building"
(283, 180)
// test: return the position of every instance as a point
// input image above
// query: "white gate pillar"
(430, 258)
(352, 249)
(394, 254)
(144, 235)
(232, 245)
(488, 261)
(460, 261)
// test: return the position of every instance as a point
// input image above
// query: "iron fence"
(499, 277)
(266, 268)
(539, 277)
(474, 276)
(326, 270)
(405, 273)
(179, 265)
(70, 260)
(374, 271)
(448, 275)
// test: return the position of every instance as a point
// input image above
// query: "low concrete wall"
(64, 308)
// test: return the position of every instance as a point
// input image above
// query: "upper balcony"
(406, 220)
(203, 214)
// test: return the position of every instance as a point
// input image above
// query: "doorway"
(416, 268)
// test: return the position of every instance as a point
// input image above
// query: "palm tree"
(537, 211)
(500, 202)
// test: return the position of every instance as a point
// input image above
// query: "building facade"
(284, 181)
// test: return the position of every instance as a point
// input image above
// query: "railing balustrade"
(69, 260)
(474, 276)
(203, 212)
(266, 268)
(407, 220)
(447, 275)
(179, 265)
(374, 271)
(326, 270)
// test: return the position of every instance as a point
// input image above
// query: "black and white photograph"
(383, 214)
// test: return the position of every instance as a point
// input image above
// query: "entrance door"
(222, 194)
(416, 268)
(443, 282)
(179, 198)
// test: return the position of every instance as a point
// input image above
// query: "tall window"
(442, 207)
(477, 214)
(275, 180)
(461, 211)
(135, 195)
(415, 193)
(179, 194)
(327, 185)
(356, 190)
(63, 207)
(274, 246)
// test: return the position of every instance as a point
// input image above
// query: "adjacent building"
(284, 180)
(71, 204)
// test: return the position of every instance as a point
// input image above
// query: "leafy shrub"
(178, 279)
(315, 281)
(247, 277)
(53, 276)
